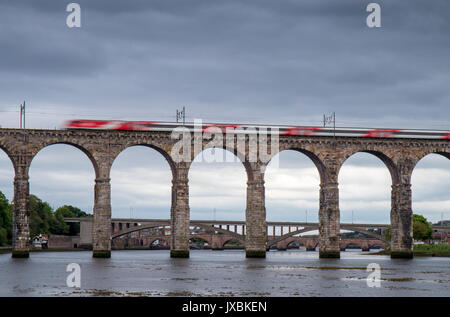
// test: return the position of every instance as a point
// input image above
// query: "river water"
(222, 273)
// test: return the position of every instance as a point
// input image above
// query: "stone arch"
(247, 168)
(322, 169)
(151, 146)
(155, 149)
(8, 153)
(76, 145)
(388, 162)
(444, 153)
(239, 155)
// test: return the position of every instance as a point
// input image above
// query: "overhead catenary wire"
(223, 118)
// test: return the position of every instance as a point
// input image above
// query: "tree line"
(43, 219)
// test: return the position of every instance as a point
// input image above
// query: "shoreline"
(418, 254)
(4, 250)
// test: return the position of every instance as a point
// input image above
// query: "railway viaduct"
(328, 154)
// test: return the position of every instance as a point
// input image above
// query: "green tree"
(41, 217)
(421, 228)
(67, 211)
(43, 220)
(5, 221)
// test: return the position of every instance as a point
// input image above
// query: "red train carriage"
(249, 128)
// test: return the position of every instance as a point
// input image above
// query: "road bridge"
(219, 232)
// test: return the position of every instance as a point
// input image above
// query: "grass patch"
(442, 249)
(439, 250)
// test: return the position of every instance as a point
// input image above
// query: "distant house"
(40, 241)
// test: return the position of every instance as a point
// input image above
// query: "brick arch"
(159, 149)
(300, 242)
(201, 236)
(81, 147)
(386, 159)
(379, 244)
(159, 238)
(233, 239)
(345, 244)
(322, 169)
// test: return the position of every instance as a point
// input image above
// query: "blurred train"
(249, 129)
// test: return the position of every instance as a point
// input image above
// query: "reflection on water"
(215, 273)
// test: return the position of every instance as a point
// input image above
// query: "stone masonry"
(328, 154)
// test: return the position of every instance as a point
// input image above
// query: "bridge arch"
(346, 244)
(134, 229)
(78, 146)
(229, 179)
(141, 181)
(366, 232)
(377, 244)
(365, 184)
(202, 237)
(225, 153)
(321, 168)
(240, 241)
(158, 239)
(442, 152)
(6, 149)
(62, 167)
(387, 161)
(429, 184)
(159, 149)
(292, 181)
(7, 174)
(300, 243)
(290, 235)
(9, 160)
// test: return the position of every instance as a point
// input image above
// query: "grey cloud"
(254, 57)
(281, 62)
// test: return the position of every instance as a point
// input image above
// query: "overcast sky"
(264, 61)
